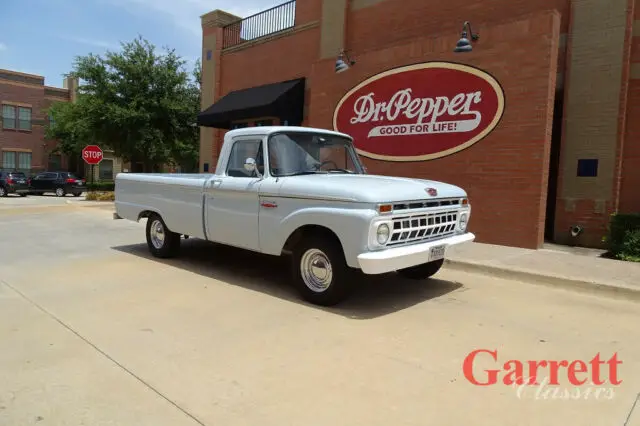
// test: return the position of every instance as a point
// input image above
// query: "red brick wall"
(33, 139)
(630, 192)
(393, 21)
(506, 173)
(282, 59)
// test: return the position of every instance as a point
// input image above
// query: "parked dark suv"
(13, 183)
(60, 183)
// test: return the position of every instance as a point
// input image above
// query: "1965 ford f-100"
(302, 191)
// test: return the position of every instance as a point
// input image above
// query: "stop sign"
(92, 154)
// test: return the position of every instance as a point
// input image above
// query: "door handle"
(215, 183)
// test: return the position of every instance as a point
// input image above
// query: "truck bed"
(177, 197)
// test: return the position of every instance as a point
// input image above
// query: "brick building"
(557, 81)
(24, 99)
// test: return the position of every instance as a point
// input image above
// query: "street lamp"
(464, 45)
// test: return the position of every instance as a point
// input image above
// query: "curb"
(617, 291)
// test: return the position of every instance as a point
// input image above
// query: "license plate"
(22, 181)
(437, 253)
(79, 182)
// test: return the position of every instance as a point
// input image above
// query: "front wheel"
(161, 241)
(422, 272)
(320, 271)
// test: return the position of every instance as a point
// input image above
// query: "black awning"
(284, 100)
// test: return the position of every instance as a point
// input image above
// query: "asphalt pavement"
(94, 331)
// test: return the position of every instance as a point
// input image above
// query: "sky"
(43, 37)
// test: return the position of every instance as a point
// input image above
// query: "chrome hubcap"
(59, 192)
(1, 191)
(157, 234)
(316, 271)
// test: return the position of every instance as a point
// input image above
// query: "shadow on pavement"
(374, 296)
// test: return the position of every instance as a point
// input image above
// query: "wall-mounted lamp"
(464, 45)
(341, 65)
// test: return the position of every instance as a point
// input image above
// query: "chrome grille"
(421, 204)
(423, 227)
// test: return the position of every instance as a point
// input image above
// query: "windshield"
(298, 153)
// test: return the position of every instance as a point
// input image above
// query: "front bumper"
(393, 259)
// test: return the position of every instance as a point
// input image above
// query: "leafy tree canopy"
(139, 103)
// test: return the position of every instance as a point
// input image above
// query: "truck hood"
(365, 188)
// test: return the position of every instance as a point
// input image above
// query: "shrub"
(100, 196)
(101, 186)
(623, 238)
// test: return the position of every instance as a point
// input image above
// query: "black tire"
(60, 192)
(23, 194)
(3, 191)
(169, 246)
(422, 272)
(320, 249)
(77, 194)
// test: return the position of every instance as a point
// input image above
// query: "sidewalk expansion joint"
(102, 352)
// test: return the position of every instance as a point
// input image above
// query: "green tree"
(137, 102)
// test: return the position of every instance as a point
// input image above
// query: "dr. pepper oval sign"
(421, 111)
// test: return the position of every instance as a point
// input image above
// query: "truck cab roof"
(267, 130)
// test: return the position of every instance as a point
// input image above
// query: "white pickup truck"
(304, 192)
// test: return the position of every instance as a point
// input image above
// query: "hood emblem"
(432, 191)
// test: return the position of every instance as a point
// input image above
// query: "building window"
(264, 123)
(239, 125)
(8, 160)
(8, 117)
(52, 122)
(12, 160)
(24, 118)
(24, 161)
(16, 117)
(105, 171)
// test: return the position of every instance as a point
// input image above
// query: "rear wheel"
(60, 192)
(161, 241)
(320, 272)
(77, 194)
(422, 272)
(3, 191)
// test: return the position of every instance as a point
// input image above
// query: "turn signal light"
(11, 181)
(465, 201)
(385, 208)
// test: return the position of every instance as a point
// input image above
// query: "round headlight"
(382, 234)
(463, 222)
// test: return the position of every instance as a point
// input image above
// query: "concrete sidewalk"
(571, 268)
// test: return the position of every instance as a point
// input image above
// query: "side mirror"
(250, 165)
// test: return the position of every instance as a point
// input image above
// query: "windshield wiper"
(308, 172)
(341, 171)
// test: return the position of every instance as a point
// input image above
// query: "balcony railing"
(267, 22)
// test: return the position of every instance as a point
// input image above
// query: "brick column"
(212, 24)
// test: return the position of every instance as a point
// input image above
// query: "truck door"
(231, 201)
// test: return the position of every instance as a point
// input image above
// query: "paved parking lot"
(93, 331)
